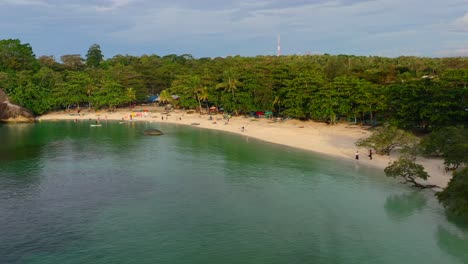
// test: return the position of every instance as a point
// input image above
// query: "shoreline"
(336, 140)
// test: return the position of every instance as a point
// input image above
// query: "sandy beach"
(336, 140)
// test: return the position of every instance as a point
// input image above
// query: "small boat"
(98, 125)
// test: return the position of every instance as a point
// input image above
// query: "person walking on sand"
(242, 128)
(370, 153)
(357, 154)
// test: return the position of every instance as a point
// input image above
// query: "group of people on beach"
(370, 154)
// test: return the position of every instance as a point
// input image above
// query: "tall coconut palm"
(229, 84)
(131, 95)
(202, 94)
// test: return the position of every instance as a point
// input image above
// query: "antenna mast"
(279, 46)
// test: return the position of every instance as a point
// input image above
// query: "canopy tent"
(153, 98)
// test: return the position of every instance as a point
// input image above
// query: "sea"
(71, 193)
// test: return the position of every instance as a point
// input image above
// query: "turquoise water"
(71, 193)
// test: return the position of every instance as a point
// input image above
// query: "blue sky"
(212, 28)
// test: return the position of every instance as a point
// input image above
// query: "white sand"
(336, 140)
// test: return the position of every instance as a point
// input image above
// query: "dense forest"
(409, 92)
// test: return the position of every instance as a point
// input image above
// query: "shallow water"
(71, 193)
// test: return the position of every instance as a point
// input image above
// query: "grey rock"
(153, 132)
(13, 113)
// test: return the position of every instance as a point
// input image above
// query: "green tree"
(230, 84)
(34, 91)
(186, 86)
(94, 56)
(386, 138)
(130, 95)
(16, 56)
(74, 89)
(165, 97)
(406, 168)
(202, 94)
(110, 94)
(455, 196)
(300, 92)
(72, 61)
(451, 143)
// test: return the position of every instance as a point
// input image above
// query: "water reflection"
(401, 206)
(453, 243)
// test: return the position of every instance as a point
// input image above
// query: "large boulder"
(13, 113)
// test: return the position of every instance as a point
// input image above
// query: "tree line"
(409, 92)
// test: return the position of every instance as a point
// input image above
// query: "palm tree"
(165, 97)
(202, 94)
(131, 95)
(277, 101)
(230, 84)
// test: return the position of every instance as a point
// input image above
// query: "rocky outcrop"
(13, 113)
(153, 132)
(3, 96)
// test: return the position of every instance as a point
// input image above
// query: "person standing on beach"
(357, 154)
(370, 153)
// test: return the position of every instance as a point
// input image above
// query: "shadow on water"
(17, 143)
(460, 222)
(453, 243)
(402, 206)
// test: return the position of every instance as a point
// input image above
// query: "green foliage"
(229, 85)
(455, 196)
(16, 56)
(186, 87)
(451, 143)
(322, 88)
(407, 169)
(386, 138)
(165, 97)
(94, 56)
(110, 94)
(74, 89)
(34, 91)
(301, 96)
(72, 61)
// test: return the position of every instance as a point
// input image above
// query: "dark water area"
(71, 193)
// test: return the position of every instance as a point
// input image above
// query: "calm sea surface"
(71, 193)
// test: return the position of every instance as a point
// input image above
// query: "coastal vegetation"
(410, 94)
(407, 92)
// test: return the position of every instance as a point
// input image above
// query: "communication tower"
(279, 46)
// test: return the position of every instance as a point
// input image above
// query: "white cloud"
(113, 5)
(461, 24)
(24, 3)
(212, 27)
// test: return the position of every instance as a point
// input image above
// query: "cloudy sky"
(211, 28)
